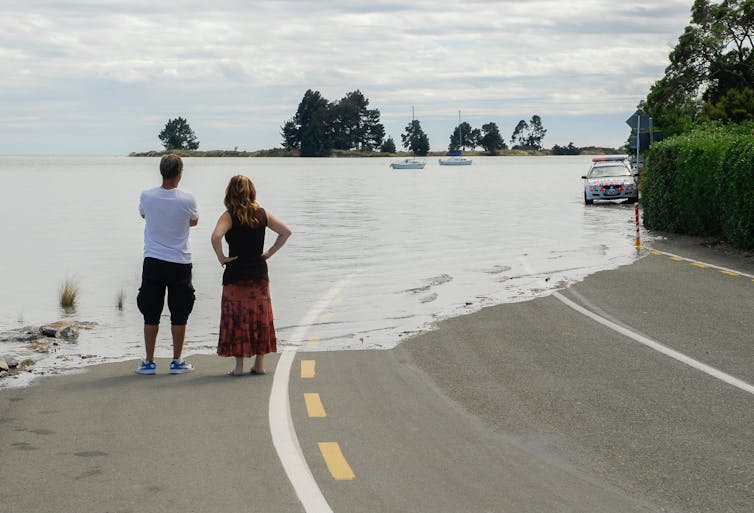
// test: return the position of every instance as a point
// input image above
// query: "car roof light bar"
(608, 159)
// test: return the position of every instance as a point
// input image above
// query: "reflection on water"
(421, 244)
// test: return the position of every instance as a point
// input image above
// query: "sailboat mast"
(460, 134)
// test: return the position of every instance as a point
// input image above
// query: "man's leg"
(150, 301)
(179, 335)
(180, 302)
(150, 340)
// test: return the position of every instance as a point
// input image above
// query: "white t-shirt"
(167, 213)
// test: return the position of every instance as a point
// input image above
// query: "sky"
(103, 77)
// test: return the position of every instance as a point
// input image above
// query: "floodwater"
(392, 251)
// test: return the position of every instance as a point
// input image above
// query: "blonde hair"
(241, 200)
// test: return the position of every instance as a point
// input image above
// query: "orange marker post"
(638, 239)
(636, 209)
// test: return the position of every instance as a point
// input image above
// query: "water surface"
(417, 245)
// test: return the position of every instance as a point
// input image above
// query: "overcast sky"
(104, 76)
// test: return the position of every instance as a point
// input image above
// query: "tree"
(712, 56)
(388, 146)
(311, 126)
(319, 126)
(177, 135)
(520, 137)
(464, 137)
(414, 138)
(566, 150)
(671, 109)
(536, 133)
(529, 135)
(491, 141)
(735, 106)
(290, 134)
(354, 125)
(375, 131)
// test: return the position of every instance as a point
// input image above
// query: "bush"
(700, 183)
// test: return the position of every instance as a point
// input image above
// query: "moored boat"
(455, 160)
(409, 163)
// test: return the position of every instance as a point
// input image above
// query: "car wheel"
(587, 201)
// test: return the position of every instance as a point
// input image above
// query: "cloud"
(490, 58)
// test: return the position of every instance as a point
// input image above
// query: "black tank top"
(247, 243)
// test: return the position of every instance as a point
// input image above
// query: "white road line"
(283, 431)
(705, 264)
(707, 369)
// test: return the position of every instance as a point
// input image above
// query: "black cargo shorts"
(158, 276)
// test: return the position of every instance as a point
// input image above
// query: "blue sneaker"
(180, 367)
(146, 367)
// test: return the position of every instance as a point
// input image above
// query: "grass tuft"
(69, 292)
(120, 299)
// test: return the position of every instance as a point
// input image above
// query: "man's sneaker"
(180, 367)
(146, 367)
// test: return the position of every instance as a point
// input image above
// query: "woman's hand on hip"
(225, 259)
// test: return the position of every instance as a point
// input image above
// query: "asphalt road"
(526, 407)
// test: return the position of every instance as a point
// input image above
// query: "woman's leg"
(258, 367)
(238, 370)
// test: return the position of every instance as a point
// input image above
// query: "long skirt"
(246, 320)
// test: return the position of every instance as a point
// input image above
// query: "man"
(169, 213)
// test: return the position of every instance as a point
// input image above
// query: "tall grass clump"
(700, 183)
(120, 299)
(68, 294)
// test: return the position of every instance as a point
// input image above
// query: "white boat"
(409, 163)
(455, 160)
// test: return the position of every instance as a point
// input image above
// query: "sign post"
(636, 121)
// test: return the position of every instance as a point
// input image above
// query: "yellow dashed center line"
(730, 273)
(700, 266)
(307, 369)
(677, 259)
(655, 252)
(336, 462)
(314, 405)
(314, 340)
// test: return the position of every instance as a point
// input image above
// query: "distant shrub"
(700, 183)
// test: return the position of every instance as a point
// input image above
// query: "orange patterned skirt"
(246, 320)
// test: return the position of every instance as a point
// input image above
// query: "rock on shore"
(37, 339)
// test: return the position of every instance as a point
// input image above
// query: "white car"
(610, 178)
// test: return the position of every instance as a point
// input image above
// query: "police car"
(610, 178)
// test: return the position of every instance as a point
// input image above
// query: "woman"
(246, 320)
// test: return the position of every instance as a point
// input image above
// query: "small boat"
(455, 160)
(409, 163)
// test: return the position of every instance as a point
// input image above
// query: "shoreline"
(279, 152)
(22, 374)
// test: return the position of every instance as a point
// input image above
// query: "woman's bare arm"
(279, 227)
(224, 224)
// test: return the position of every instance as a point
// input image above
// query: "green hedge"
(702, 183)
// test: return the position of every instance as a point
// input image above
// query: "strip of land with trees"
(350, 128)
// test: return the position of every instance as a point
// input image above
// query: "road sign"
(644, 139)
(639, 118)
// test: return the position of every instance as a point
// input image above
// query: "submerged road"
(529, 407)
